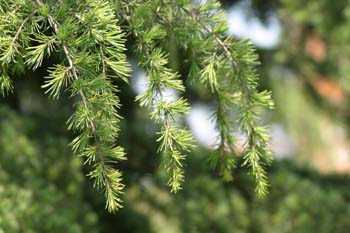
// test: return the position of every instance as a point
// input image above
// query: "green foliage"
(328, 24)
(87, 38)
(308, 75)
(312, 203)
(300, 201)
(39, 181)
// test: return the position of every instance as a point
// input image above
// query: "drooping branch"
(257, 137)
(110, 178)
(174, 141)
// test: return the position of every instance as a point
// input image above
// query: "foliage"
(88, 44)
(308, 75)
(39, 181)
(328, 30)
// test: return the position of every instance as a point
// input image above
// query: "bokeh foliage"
(44, 189)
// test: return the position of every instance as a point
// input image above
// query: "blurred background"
(304, 48)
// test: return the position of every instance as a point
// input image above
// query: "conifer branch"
(8, 56)
(76, 77)
(174, 141)
(249, 124)
(110, 179)
(20, 29)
